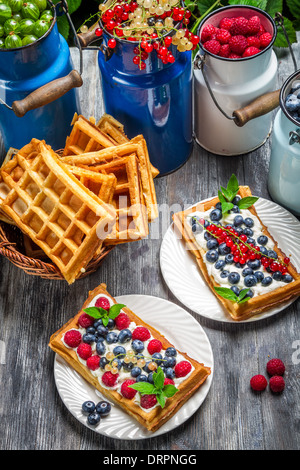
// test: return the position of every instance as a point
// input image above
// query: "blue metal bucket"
(23, 71)
(155, 102)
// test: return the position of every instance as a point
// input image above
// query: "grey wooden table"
(33, 416)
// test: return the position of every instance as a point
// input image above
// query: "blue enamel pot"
(155, 102)
(37, 94)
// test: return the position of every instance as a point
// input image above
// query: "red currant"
(112, 43)
(286, 260)
(136, 60)
(99, 32)
(109, 14)
(168, 41)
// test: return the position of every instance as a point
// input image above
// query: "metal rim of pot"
(53, 8)
(245, 7)
(284, 92)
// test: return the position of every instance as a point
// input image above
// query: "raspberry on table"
(277, 384)
(148, 401)
(182, 368)
(122, 321)
(258, 383)
(126, 391)
(275, 367)
(141, 333)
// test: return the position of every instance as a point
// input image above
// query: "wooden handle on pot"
(47, 93)
(87, 38)
(260, 106)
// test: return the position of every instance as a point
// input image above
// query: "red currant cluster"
(243, 251)
(151, 23)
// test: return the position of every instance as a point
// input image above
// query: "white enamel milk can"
(284, 168)
(224, 85)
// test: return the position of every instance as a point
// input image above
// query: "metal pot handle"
(55, 89)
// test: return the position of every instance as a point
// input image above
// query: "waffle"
(113, 129)
(151, 419)
(258, 303)
(136, 146)
(54, 209)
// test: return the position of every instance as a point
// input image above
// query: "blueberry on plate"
(124, 336)
(266, 281)
(220, 264)
(249, 222)
(170, 373)
(112, 337)
(157, 358)
(272, 254)
(235, 209)
(248, 231)
(238, 220)
(120, 351)
(250, 240)
(235, 289)
(234, 278)
(137, 345)
(254, 264)
(263, 250)
(111, 324)
(103, 362)
(142, 378)
(249, 293)
(212, 256)
(136, 371)
(277, 276)
(88, 407)
(94, 418)
(247, 272)
(259, 275)
(262, 240)
(88, 338)
(287, 278)
(215, 215)
(229, 258)
(211, 244)
(171, 352)
(224, 274)
(218, 206)
(100, 348)
(102, 330)
(169, 361)
(236, 199)
(103, 408)
(224, 249)
(250, 281)
(208, 236)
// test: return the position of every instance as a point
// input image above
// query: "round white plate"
(183, 277)
(181, 329)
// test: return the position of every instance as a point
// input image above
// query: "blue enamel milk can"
(38, 96)
(155, 102)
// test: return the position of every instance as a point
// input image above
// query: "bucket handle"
(86, 39)
(54, 89)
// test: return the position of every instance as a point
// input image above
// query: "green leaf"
(221, 197)
(226, 293)
(159, 378)
(161, 399)
(144, 388)
(246, 202)
(290, 31)
(95, 312)
(169, 390)
(226, 206)
(274, 6)
(233, 184)
(244, 300)
(115, 310)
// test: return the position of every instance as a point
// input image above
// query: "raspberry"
(141, 333)
(223, 36)
(261, 31)
(250, 51)
(126, 391)
(238, 44)
(85, 320)
(182, 369)
(72, 338)
(277, 384)
(275, 367)
(253, 41)
(109, 379)
(84, 350)
(253, 25)
(212, 46)
(122, 321)
(226, 23)
(258, 383)
(93, 362)
(265, 40)
(154, 346)
(148, 401)
(239, 26)
(102, 302)
(224, 50)
(207, 32)
(234, 56)
(169, 381)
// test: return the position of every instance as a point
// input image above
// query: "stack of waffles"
(98, 191)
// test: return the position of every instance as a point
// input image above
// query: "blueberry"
(262, 240)
(250, 240)
(208, 236)
(248, 231)
(239, 230)
(112, 337)
(88, 338)
(235, 209)
(218, 206)
(229, 258)
(235, 289)
(224, 249)
(93, 418)
(119, 351)
(102, 330)
(124, 336)
(220, 264)
(272, 254)
(211, 244)
(100, 348)
(157, 358)
(170, 373)
(247, 272)
(250, 280)
(238, 220)
(292, 103)
(196, 226)
(150, 378)
(287, 278)
(136, 371)
(266, 281)
(137, 345)
(142, 378)
(259, 276)
(263, 250)
(169, 361)
(249, 222)
(103, 362)
(103, 408)
(146, 368)
(224, 274)
(249, 293)
(236, 199)
(127, 366)
(111, 324)
(277, 276)
(98, 323)
(171, 352)
(234, 278)
(215, 215)
(254, 264)
(88, 407)
(212, 256)
(91, 330)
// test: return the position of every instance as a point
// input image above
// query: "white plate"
(185, 281)
(181, 329)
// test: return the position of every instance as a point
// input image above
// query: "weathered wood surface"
(231, 418)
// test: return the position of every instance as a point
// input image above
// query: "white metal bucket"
(233, 84)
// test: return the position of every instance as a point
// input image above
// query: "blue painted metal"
(155, 102)
(26, 69)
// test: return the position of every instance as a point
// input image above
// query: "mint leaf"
(233, 185)
(115, 310)
(226, 206)
(246, 202)
(226, 293)
(242, 294)
(95, 312)
(169, 390)
(161, 399)
(244, 300)
(144, 388)
(159, 378)
(221, 197)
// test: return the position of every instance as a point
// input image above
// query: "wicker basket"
(11, 246)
